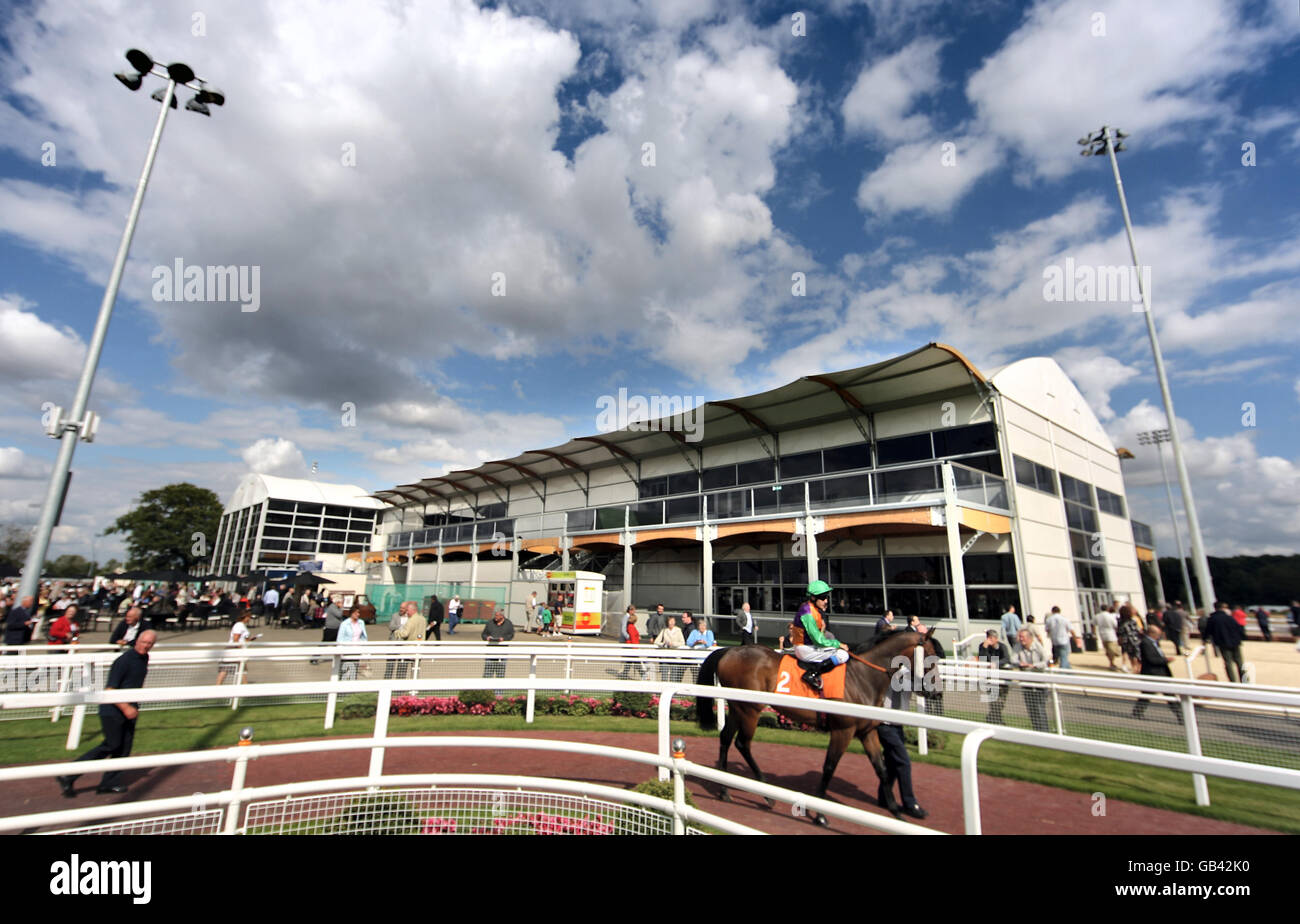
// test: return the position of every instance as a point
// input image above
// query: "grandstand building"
(919, 484)
(277, 524)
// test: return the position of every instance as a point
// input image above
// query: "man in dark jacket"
(497, 630)
(434, 618)
(996, 655)
(1224, 632)
(1175, 625)
(18, 621)
(118, 719)
(1155, 664)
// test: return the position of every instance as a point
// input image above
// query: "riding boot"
(813, 679)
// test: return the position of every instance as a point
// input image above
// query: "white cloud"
(1097, 374)
(886, 90)
(275, 457)
(927, 176)
(14, 463)
(33, 348)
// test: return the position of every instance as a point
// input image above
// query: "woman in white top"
(239, 637)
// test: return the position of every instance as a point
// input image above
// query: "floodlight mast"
(76, 423)
(1095, 145)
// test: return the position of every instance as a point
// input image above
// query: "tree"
(14, 543)
(171, 527)
(109, 567)
(67, 566)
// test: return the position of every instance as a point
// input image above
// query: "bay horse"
(869, 674)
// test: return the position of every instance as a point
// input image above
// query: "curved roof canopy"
(933, 368)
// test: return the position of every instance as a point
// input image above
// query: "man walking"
(885, 623)
(17, 622)
(656, 622)
(1154, 664)
(118, 719)
(894, 749)
(1108, 634)
(1010, 624)
(1223, 631)
(453, 614)
(1261, 617)
(496, 632)
(530, 613)
(1060, 633)
(1176, 625)
(433, 622)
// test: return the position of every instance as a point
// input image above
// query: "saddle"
(790, 678)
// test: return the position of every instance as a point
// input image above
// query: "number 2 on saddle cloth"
(789, 680)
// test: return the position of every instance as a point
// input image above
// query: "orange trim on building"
(546, 544)
(785, 527)
(1146, 554)
(983, 521)
(681, 532)
(908, 516)
(607, 539)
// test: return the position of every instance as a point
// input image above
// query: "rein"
(874, 667)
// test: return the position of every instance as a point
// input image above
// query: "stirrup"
(813, 679)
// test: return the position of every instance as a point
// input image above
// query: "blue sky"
(384, 167)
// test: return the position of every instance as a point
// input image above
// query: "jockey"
(818, 650)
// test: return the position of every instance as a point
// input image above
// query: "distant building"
(274, 523)
(919, 484)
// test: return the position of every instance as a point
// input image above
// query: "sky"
(462, 224)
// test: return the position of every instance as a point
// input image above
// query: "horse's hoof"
(822, 821)
(724, 796)
(771, 803)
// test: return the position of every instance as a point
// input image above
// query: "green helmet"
(818, 589)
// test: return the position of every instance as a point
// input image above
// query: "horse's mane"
(862, 648)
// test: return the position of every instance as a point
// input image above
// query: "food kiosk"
(575, 597)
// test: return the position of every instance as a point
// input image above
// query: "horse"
(870, 671)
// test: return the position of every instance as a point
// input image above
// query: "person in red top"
(64, 630)
(1240, 615)
(633, 638)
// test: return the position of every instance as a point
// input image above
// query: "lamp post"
(1155, 438)
(1096, 144)
(79, 422)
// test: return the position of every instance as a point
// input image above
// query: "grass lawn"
(42, 741)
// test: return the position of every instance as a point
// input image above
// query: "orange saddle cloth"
(789, 680)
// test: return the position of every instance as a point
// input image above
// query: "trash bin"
(1089, 641)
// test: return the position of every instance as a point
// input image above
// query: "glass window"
(989, 569)
(334, 511)
(1076, 490)
(990, 462)
(771, 571)
(682, 509)
(795, 571)
(1110, 503)
(959, 441)
(913, 569)
(684, 483)
(310, 508)
(749, 572)
(847, 458)
(1079, 517)
(1024, 471)
(648, 514)
(729, 504)
(756, 472)
(851, 488)
(282, 505)
(722, 476)
(492, 511)
(801, 464)
(765, 499)
(653, 487)
(577, 521)
(904, 449)
(893, 485)
(606, 518)
(724, 572)
(1046, 478)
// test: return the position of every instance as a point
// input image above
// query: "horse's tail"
(704, 704)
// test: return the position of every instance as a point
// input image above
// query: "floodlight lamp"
(139, 60)
(1120, 134)
(195, 106)
(181, 73)
(1120, 147)
(160, 94)
(210, 94)
(1086, 139)
(131, 81)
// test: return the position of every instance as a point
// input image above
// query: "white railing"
(379, 741)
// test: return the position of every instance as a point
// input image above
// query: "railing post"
(381, 732)
(530, 709)
(236, 789)
(918, 678)
(1194, 747)
(970, 783)
(665, 728)
(79, 710)
(1056, 710)
(568, 663)
(65, 681)
(239, 678)
(332, 698)
(679, 800)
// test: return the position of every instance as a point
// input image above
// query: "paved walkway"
(1008, 806)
